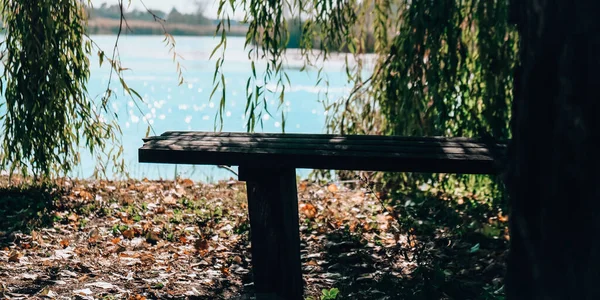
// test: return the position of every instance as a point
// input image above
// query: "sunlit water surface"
(169, 106)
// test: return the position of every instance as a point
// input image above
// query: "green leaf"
(136, 94)
(101, 57)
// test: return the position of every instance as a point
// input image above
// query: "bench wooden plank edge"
(465, 165)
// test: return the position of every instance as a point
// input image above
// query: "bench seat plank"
(320, 138)
(315, 151)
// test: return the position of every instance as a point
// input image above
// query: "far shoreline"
(106, 26)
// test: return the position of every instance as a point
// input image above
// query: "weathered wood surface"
(275, 236)
(321, 151)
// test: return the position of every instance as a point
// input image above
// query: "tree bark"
(554, 174)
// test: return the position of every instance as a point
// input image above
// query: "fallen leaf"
(170, 200)
(147, 258)
(152, 237)
(309, 210)
(73, 218)
(85, 195)
(64, 243)
(502, 218)
(302, 186)
(129, 233)
(332, 188)
(201, 245)
(94, 236)
(187, 182)
(237, 260)
(115, 240)
(15, 256)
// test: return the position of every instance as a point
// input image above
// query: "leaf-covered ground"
(187, 240)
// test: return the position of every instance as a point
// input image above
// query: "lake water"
(169, 106)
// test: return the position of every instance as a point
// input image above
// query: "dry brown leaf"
(115, 240)
(152, 236)
(85, 195)
(309, 210)
(81, 250)
(147, 258)
(182, 239)
(160, 244)
(129, 233)
(15, 256)
(302, 186)
(237, 260)
(94, 236)
(201, 245)
(187, 182)
(170, 200)
(332, 188)
(37, 237)
(502, 218)
(64, 243)
(73, 217)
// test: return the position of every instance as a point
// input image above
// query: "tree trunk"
(554, 173)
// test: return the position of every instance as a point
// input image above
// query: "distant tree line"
(174, 16)
(104, 19)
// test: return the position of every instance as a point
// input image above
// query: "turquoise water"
(168, 106)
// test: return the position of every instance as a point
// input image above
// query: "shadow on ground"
(22, 209)
(449, 254)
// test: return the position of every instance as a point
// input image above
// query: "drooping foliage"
(440, 67)
(418, 68)
(48, 117)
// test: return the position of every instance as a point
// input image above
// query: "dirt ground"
(188, 240)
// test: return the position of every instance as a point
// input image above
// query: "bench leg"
(274, 229)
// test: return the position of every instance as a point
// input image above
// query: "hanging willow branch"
(441, 67)
(48, 113)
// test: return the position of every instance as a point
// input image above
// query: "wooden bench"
(267, 163)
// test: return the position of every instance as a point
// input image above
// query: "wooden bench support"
(274, 229)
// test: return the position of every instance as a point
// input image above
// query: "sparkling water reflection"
(169, 106)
